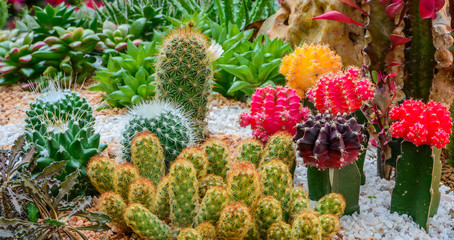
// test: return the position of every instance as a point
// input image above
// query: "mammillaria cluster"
(327, 141)
(308, 63)
(341, 93)
(421, 123)
(273, 110)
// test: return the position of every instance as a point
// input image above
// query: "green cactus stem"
(234, 222)
(280, 146)
(145, 224)
(307, 226)
(332, 203)
(418, 174)
(419, 54)
(249, 150)
(207, 230)
(142, 191)
(298, 206)
(267, 212)
(161, 202)
(243, 183)
(212, 204)
(189, 234)
(330, 225)
(198, 158)
(100, 171)
(112, 204)
(148, 156)
(208, 182)
(279, 231)
(218, 156)
(124, 174)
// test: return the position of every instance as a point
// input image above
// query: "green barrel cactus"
(234, 222)
(112, 204)
(277, 182)
(100, 171)
(333, 203)
(212, 204)
(189, 234)
(208, 182)
(170, 124)
(198, 158)
(183, 192)
(123, 175)
(330, 225)
(267, 212)
(148, 156)
(298, 206)
(279, 231)
(184, 73)
(161, 203)
(206, 230)
(218, 155)
(249, 150)
(243, 184)
(144, 223)
(280, 146)
(142, 191)
(307, 226)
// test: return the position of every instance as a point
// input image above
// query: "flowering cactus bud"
(342, 93)
(326, 141)
(273, 110)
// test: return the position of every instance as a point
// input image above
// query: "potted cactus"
(425, 129)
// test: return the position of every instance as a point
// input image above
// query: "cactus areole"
(327, 141)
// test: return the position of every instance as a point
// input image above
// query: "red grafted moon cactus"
(273, 110)
(421, 123)
(341, 93)
(327, 141)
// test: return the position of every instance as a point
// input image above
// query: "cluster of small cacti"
(341, 92)
(184, 73)
(273, 110)
(251, 203)
(308, 63)
(327, 141)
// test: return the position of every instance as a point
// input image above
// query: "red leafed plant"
(273, 110)
(421, 123)
(342, 93)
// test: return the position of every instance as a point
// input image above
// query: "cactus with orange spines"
(279, 231)
(298, 206)
(206, 230)
(112, 204)
(144, 223)
(212, 204)
(249, 150)
(330, 225)
(333, 203)
(307, 226)
(148, 156)
(218, 156)
(267, 212)
(189, 234)
(123, 175)
(243, 183)
(161, 201)
(198, 158)
(234, 222)
(142, 191)
(298, 191)
(208, 182)
(100, 171)
(280, 146)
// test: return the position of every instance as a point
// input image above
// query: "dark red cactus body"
(421, 123)
(273, 110)
(342, 93)
(327, 141)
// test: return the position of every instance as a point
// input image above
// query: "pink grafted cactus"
(343, 93)
(273, 110)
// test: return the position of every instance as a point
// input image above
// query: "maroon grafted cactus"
(273, 110)
(327, 141)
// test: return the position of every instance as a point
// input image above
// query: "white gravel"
(374, 221)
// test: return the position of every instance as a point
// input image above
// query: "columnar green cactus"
(198, 158)
(307, 226)
(144, 223)
(142, 191)
(279, 231)
(208, 182)
(169, 123)
(212, 204)
(148, 156)
(243, 183)
(234, 222)
(161, 202)
(207, 230)
(277, 182)
(3, 13)
(100, 171)
(123, 175)
(249, 150)
(280, 146)
(333, 203)
(298, 206)
(267, 212)
(218, 155)
(189, 234)
(112, 204)
(183, 192)
(184, 73)
(298, 191)
(330, 225)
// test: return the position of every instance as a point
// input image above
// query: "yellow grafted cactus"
(208, 182)
(207, 230)
(243, 183)
(100, 171)
(112, 204)
(306, 226)
(124, 174)
(330, 225)
(189, 234)
(142, 191)
(148, 156)
(234, 222)
(198, 158)
(218, 155)
(303, 67)
(161, 202)
(144, 223)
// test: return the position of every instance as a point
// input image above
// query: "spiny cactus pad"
(161, 202)
(279, 231)
(234, 222)
(100, 171)
(198, 158)
(218, 156)
(144, 223)
(212, 204)
(243, 183)
(298, 206)
(330, 225)
(142, 191)
(124, 174)
(208, 182)
(148, 156)
(277, 182)
(307, 226)
(249, 150)
(267, 212)
(280, 146)
(112, 204)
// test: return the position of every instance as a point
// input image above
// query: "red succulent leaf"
(337, 16)
(397, 40)
(429, 8)
(394, 9)
(392, 64)
(353, 4)
(384, 2)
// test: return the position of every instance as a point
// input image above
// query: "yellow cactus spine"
(218, 156)
(100, 171)
(243, 183)
(142, 191)
(124, 174)
(148, 156)
(144, 223)
(198, 158)
(112, 204)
